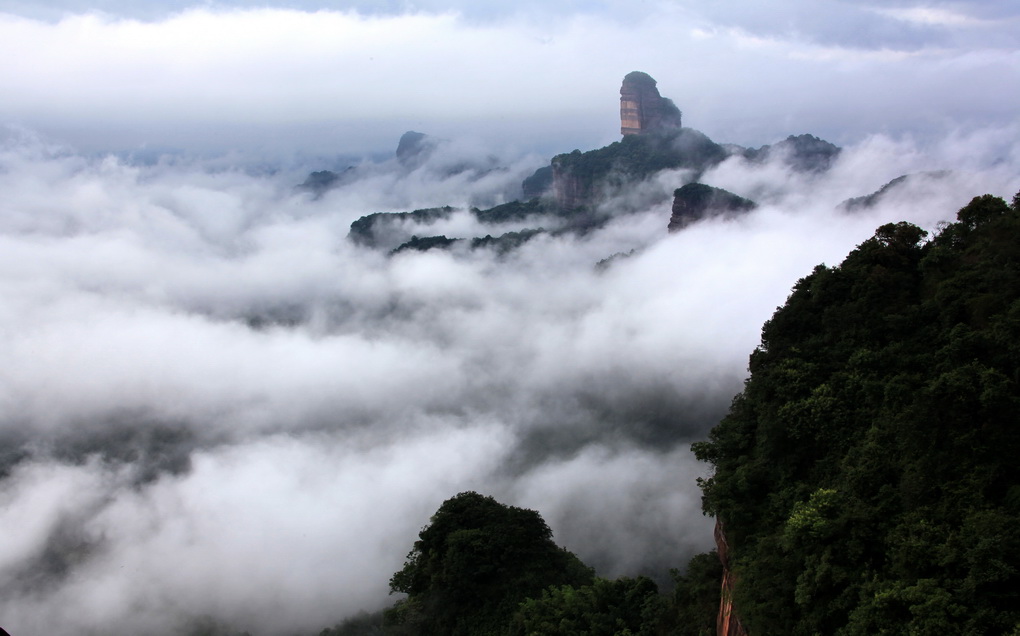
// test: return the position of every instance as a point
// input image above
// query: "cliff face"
(727, 623)
(642, 109)
(580, 177)
(538, 183)
(571, 188)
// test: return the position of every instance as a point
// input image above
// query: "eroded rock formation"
(571, 189)
(727, 623)
(414, 148)
(696, 201)
(642, 109)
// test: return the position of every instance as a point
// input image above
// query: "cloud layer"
(215, 407)
(291, 78)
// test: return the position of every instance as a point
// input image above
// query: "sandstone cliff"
(727, 623)
(642, 109)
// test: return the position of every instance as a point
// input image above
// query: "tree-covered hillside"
(867, 476)
(482, 568)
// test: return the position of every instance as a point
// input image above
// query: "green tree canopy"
(624, 607)
(867, 474)
(474, 563)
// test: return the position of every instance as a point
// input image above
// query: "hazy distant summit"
(414, 148)
(643, 109)
(578, 192)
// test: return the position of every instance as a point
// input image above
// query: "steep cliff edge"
(585, 178)
(867, 473)
(727, 623)
(642, 109)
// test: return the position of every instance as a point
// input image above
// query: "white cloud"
(181, 461)
(283, 80)
(219, 406)
(931, 15)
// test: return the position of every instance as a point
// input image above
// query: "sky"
(314, 78)
(215, 409)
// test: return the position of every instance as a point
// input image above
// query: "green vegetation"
(505, 243)
(805, 153)
(363, 230)
(695, 201)
(425, 244)
(701, 196)
(636, 157)
(514, 211)
(603, 608)
(474, 564)
(482, 568)
(867, 475)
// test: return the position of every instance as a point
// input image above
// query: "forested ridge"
(867, 476)
(483, 568)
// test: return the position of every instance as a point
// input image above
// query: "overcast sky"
(350, 77)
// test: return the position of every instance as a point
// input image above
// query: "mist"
(216, 407)
(291, 77)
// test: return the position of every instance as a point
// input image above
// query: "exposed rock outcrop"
(642, 109)
(571, 188)
(583, 178)
(727, 623)
(696, 201)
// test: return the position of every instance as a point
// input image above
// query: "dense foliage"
(695, 201)
(514, 211)
(365, 229)
(805, 153)
(484, 568)
(636, 157)
(425, 243)
(867, 476)
(624, 607)
(474, 564)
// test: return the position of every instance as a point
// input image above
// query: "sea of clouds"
(214, 406)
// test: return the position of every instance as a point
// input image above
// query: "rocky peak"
(413, 148)
(642, 109)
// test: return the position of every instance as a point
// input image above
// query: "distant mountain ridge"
(569, 194)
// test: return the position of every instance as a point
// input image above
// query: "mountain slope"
(866, 477)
